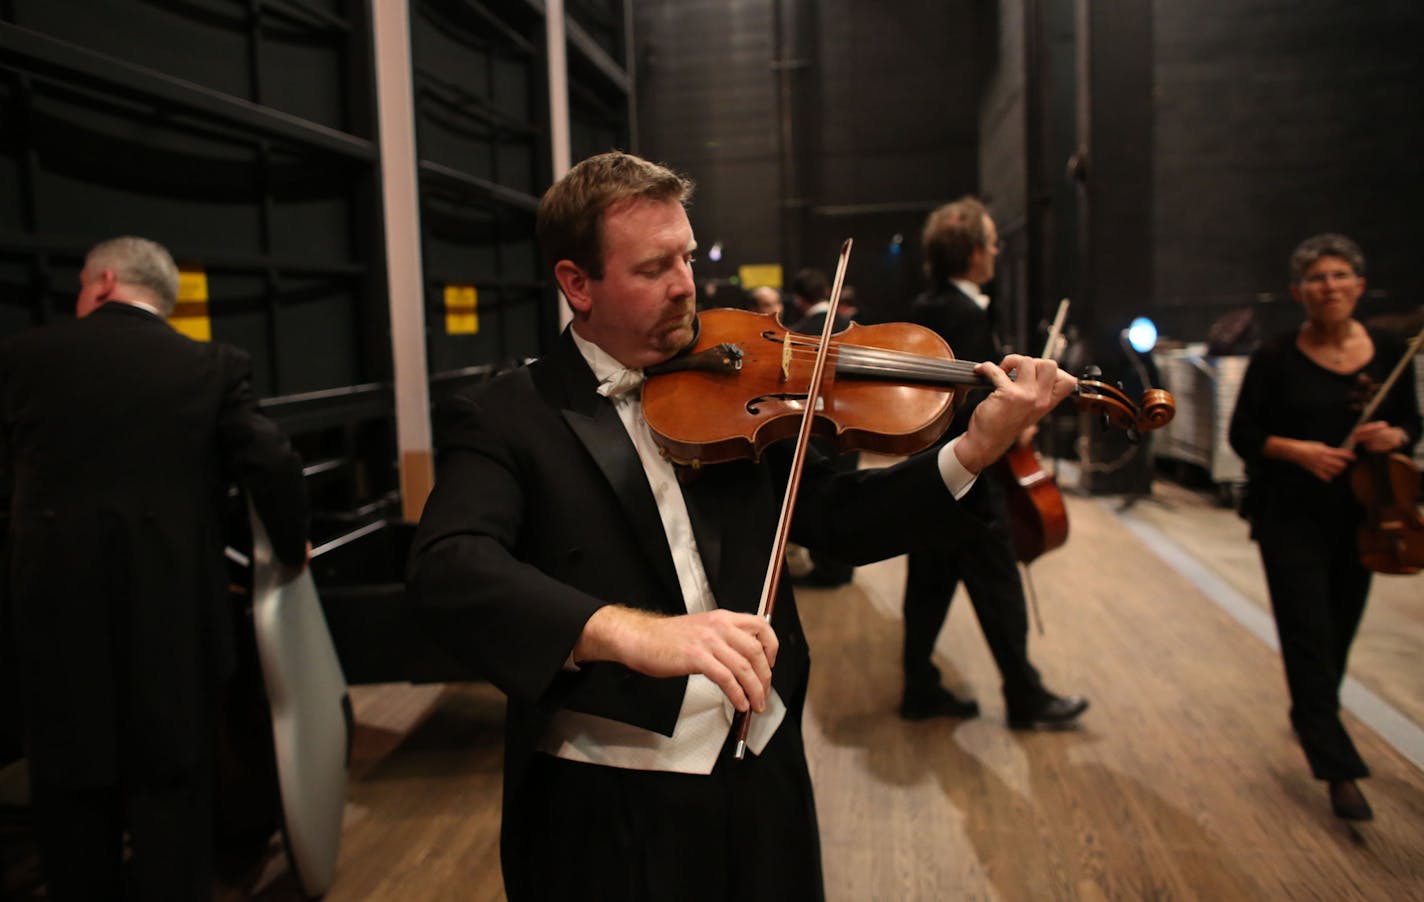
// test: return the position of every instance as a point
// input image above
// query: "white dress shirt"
(706, 716)
(975, 292)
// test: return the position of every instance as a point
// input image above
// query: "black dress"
(1306, 529)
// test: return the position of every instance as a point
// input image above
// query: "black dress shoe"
(1057, 712)
(922, 704)
(1348, 802)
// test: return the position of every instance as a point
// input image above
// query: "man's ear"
(575, 284)
(107, 280)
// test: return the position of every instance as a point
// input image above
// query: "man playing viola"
(613, 599)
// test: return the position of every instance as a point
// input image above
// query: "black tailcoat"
(120, 439)
(542, 513)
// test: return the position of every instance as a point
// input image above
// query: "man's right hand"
(735, 651)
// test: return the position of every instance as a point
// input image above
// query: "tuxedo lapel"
(703, 511)
(595, 423)
(724, 502)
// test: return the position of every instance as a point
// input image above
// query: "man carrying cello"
(612, 599)
(960, 246)
(1294, 425)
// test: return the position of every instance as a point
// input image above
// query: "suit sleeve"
(506, 618)
(258, 455)
(869, 515)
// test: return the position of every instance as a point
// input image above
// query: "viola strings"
(859, 360)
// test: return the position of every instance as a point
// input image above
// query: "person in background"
(810, 297)
(810, 293)
(766, 299)
(960, 245)
(120, 438)
(1294, 420)
(613, 599)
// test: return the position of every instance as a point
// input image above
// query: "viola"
(742, 384)
(1391, 537)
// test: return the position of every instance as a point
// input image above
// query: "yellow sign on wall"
(190, 314)
(755, 275)
(461, 309)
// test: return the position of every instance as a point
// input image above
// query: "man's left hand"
(1015, 405)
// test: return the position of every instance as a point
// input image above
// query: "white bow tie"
(620, 383)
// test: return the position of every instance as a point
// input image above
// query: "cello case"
(311, 712)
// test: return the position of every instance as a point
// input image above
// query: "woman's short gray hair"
(1330, 244)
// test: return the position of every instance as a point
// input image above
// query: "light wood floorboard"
(1183, 782)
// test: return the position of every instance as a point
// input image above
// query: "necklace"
(1333, 351)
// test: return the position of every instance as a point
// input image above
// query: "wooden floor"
(1183, 782)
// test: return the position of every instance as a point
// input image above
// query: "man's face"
(642, 310)
(981, 262)
(1329, 290)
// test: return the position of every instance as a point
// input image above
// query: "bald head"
(766, 300)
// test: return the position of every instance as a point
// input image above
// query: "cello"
(1038, 517)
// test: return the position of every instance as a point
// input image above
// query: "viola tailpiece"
(722, 358)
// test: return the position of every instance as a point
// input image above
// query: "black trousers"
(79, 831)
(745, 832)
(1318, 589)
(989, 570)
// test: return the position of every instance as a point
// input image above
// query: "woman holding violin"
(1295, 421)
(612, 594)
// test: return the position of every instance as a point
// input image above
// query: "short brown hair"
(811, 284)
(1331, 244)
(570, 216)
(951, 236)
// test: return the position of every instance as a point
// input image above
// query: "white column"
(395, 112)
(556, 42)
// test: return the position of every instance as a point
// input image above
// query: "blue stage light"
(1142, 335)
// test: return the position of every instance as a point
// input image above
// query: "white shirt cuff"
(956, 478)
